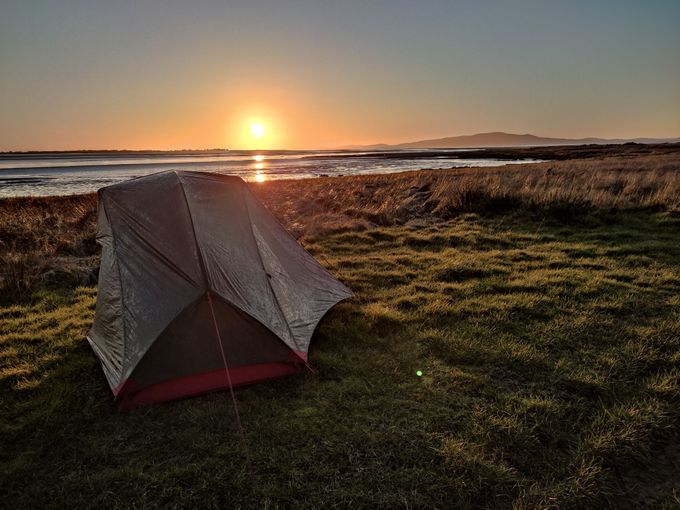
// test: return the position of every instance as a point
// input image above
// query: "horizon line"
(668, 139)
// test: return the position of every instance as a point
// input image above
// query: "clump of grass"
(46, 242)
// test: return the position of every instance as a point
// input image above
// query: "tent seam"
(269, 283)
(120, 285)
(292, 237)
(204, 272)
(193, 232)
(123, 302)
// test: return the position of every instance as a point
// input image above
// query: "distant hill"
(500, 139)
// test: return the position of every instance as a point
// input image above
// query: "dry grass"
(562, 189)
(44, 241)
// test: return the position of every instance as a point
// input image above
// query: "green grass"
(551, 378)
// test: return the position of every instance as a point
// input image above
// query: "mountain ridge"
(502, 139)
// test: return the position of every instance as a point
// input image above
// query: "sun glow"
(257, 129)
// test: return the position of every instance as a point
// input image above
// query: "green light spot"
(419, 373)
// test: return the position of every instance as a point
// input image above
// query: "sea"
(68, 173)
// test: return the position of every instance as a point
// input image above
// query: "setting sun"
(256, 127)
(257, 130)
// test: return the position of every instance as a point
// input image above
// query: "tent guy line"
(218, 336)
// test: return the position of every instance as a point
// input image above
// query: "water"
(72, 173)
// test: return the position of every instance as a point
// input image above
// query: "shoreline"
(55, 235)
(359, 149)
(666, 155)
(34, 177)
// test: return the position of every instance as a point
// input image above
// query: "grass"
(49, 242)
(562, 190)
(549, 347)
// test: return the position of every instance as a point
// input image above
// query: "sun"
(257, 130)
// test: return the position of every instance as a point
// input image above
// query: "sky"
(191, 75)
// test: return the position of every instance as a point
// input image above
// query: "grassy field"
(547, 333)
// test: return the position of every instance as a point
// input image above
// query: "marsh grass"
(549, 347)
(48, 242)
(563, 190)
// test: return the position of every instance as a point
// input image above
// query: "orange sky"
(181, 75)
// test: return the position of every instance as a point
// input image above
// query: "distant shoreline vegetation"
(492, 140)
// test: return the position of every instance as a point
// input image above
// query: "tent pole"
(231, 387)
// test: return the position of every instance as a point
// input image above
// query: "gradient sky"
(193, 74)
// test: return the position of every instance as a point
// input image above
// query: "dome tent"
(200, 288)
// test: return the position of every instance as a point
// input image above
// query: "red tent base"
(130, 396)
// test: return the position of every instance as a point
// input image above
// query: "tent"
(200, 288)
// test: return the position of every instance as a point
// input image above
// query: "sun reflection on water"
(259, 166)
